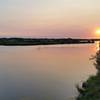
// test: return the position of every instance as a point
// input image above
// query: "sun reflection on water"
(98, 45)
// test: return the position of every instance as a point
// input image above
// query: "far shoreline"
(43, 41)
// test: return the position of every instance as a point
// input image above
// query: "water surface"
(44, 72)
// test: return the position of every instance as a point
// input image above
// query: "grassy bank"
(90, 89)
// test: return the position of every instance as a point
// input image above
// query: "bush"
(90, 89)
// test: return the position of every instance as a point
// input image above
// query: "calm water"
(44, 72)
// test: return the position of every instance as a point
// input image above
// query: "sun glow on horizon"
(97, 31)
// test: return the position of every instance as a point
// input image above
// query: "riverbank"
(90, 89)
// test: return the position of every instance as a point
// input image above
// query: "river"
(44, 72)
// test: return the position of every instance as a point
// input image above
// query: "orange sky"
(49, 18)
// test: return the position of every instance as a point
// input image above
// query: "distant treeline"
(42, 41)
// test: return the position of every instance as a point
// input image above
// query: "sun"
(97, 31)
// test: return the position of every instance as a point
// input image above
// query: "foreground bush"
(90, 89)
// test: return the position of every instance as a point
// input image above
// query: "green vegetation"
(90, 89)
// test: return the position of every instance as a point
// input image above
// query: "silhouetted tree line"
(41, 41)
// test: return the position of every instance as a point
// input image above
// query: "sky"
(49, 18)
